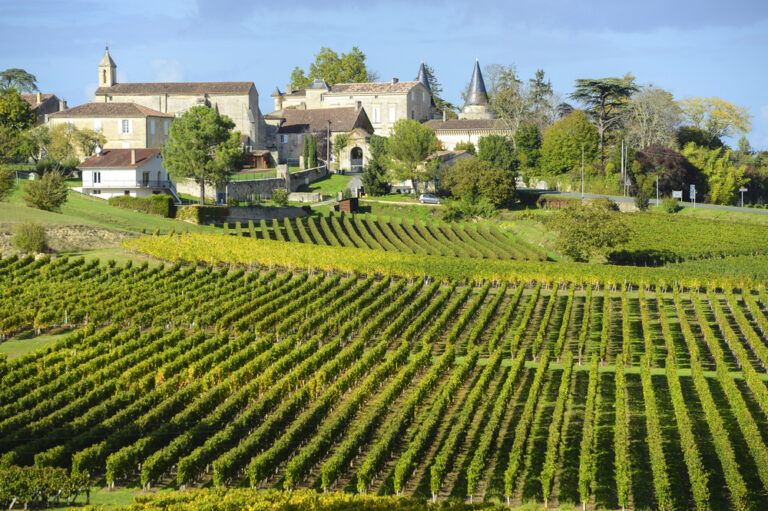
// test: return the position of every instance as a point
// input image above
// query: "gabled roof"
(157, 88)
(373, 87)
(119, 158)
(343, 119)
(477, 94)
(110, 110)
(465, 124)
(31, 99)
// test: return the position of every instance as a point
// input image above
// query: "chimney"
(445, 115)
(288, 89)
(63, 105)
(39, 98)
(133, 156)
(394, 81)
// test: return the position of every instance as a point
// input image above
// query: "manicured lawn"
(248, 176)
(21, 345)
(83, 210)
(755, 217)
(329, 185)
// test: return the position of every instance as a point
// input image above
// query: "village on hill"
(375, 296)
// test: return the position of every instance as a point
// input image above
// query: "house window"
(97, 125)
(376, 114)
(165, 128)
(125, 126)
(391, 114)
(298, 138)
(97, 177)
(413, 114)
(145, 178)
(96, 192)
(285, 139)
(152, 126)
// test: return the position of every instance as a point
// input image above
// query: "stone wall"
(261, 188)
(305, 196)
(304, 177)
(258, 213)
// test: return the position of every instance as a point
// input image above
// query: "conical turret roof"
(422, 78)
(106, 60)
(477, 94)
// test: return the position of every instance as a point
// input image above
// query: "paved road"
(618, 198)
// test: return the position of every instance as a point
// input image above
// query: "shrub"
(232, 202)
(47, 193)
(468, 209)
(280, 196)
(642, 201)
(30, 237)
(198, 214)
(670, 205)
(159, 204)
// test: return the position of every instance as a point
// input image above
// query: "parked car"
(428, 198)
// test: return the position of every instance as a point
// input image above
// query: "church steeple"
(107, 70)
(476, 106)
(477, 94)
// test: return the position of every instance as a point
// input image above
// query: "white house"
(134, 172)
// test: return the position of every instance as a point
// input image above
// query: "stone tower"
(422, 79)
(476, 106)
(107, 70)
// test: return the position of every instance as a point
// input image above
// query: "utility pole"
(582, 171)
(623, 172)
(657, 190)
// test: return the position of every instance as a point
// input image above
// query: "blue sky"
(691, 48)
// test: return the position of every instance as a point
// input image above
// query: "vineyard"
(507, 392)
(395, 235)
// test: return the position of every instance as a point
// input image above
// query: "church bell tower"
(107, 70)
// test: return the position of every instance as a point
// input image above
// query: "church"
(237, 100)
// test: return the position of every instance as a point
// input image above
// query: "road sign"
(693, 190)
(677, 194)
(743, 190)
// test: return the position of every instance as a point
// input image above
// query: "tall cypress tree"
(313, 152)
(305, 153)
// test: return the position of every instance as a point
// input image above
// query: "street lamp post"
(582, 171)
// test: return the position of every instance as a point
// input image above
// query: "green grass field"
(329, 185)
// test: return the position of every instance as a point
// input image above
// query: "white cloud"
(167, 70)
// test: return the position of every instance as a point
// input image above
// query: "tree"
(59, 148)
(305, 152)
(374, 175)
(510, 99)
(437, 91)
(30, 237)
(465, 146)
(329, 66)
(47, 193)
(408, 146)
(715, 117)
(15, 118)
(561, 146)
(674, 171)
(312, 152)
(340, 142)
(471, 178)
(724, 177)
(18, 79)
(201, 145)
(541, 90)
(7, 183)
(498, 151)
(528, 144)
(605, 98)
(687, 134)
(652, 118)
(588, 230)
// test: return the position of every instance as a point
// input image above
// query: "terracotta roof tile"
(32, 99)
(299, 120)
(110, 110)
(177, 88)
(372, 87)
(119, 158)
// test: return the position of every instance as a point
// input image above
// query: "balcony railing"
(131, 184)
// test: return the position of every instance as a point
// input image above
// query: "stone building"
(44, 104)
(124, 125)
(384, 102)
(475, 121)
(293, 125)
(237, 100)
(134, 172)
